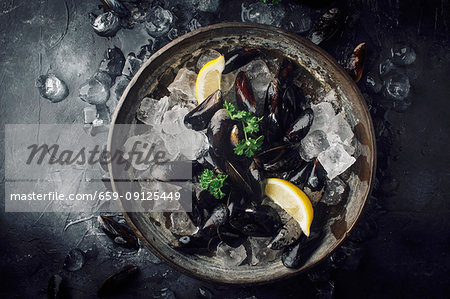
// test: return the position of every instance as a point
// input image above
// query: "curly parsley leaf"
(213, 183)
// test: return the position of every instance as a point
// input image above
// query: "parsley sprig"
(213, 183)
(250, 123)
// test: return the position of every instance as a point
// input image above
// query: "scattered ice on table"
(52, 88)
(106, 24)
(323, 112)
(313, 144)
(194, 24)
(335, 160)
(151, 111)
(334, 191)
(401, 106)
(159, 21)
(164, 293)
(403, 55)
(207, 55)
(260, 76)
(184, 84)
(298, 19)
(325, 290)
(204, 293)
(74, 260)
(373, 83)
(353, 256)
(103, 78)
(132, 65)
(397, 86)
(261, 13)
(90, 114)
(208, 5)
(385, 67)
(94, 92)
(175, 33)
(113, 62)
(182, 225)
(260, 253)
(339, 131)
(145, 52)
(231, 257)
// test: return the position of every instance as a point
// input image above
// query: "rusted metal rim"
(315, 50)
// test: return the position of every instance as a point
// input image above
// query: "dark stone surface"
(399, 248)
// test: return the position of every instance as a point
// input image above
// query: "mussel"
(230, 236)
(278, 158)
(355, 64)
(246, 180)
(199, 118)
(287, 235)
(121, 234)
(219, 131)
(326, 27)
(236, 135)
(117, 7)
(316, 178)
(293, 103)
(300, 127)
(296, 255)
(245, 98)
(285, 76)
(194, 244)
(238, 58)
(271, 125)
(259, 221)
(218, 216)
(116, 282)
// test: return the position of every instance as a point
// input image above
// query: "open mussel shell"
(199, 118)
(259, 221)
(238, 58)
(355, 65)
(236, 135)
(300, 126)
(219, 133)
(245, 98)
(279, 158)
(295, 256)
(286, 236)
(118, 281)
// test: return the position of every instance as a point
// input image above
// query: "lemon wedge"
(291, 199)
(209, 77)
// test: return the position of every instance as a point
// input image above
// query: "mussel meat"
(355, 64)
(245, 98)
(199, 118)
(238, 58)
(300, 126)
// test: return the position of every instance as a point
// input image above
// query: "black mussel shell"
(122, 235)
(230, 236)
(196, 214)
(245, 98)
(300, 126)
(207, 201)
(316, 178)
(296, 255)
(260, 221)
(243, 178)
(326, 26)
(195, 245)
(218, 216)
(238, 58)
(219, 131)
(300, 177)
(355, 64)
(280, 158)
(271, 129)
(199, 118)
(273, 98)
(293, 103)
(272, 153)
(286, 236)
(285, 76)
(117, 7)
(118, 281)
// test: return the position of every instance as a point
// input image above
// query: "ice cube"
(335, 160)
(397, 86)
(188, 143)
(94, 92)
(52, 88)
(260, 76)
(194, 24)
(373, 83)
(261, 13)
(182, 225)
(386, 67)
(325, 290)
(132, 65)
(298, 20)
(401, 106)
(74, 260)
(323, 113)
(175, 33)
(141, 145)
(159, 21)
(227, 82)
(106, 24)
(231, 257)
(339, 130)
(260, 253)
(208, 5)
(173, 120)
(151, 111)
(403, 54)
(184, 84)
(164, 293)
(113, 62)
(334, 191)
(90, 114)
(313, 144)
(206, 56)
